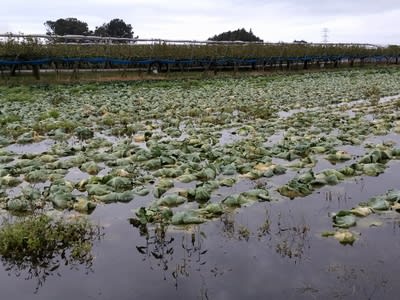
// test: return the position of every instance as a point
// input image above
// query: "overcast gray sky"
(274, 20)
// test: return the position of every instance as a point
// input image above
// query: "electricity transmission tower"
(325, 32)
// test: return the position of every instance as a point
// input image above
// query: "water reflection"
(228, 221)
(291, 237)
(282, 233)
(176, 254)
(354, 281)
(38, 247)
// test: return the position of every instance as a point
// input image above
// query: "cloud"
(274, 20)
(341, 7)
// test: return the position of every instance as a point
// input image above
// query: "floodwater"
(288, 113)
(35, 148)
(269, 250)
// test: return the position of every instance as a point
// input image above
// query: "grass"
(4, 120)
(373, 94)
(190, 78)
(38, 238)
(49, 114)
(37, 245)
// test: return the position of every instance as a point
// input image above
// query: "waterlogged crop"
(195, 149)
(345, 219)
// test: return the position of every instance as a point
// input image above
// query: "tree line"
(114, 28)
(118, 28)
(236, 35)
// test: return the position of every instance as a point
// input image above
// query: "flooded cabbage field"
(283, 187)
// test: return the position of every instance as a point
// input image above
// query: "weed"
(4, 120)
(243, 233)
(37, 244)
(373, 94)
(57, 99)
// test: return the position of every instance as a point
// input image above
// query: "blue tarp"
(200, 61)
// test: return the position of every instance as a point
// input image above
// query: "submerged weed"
(244, 233)
(37, 244)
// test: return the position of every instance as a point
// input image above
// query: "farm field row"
(181, 154)
(32, 50)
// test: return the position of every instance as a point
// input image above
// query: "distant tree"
(300, 42)
(66, 26)
(115, 28)
(237, 35)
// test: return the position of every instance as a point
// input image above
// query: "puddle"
(290, 113)
(274, 139)
(110, 138)
(369, 117)
(35, 148)
(104, 169)
(76, 175)
(389, 98)
(391, 137)
(230, 136)
(353, 150)
(286, 114)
